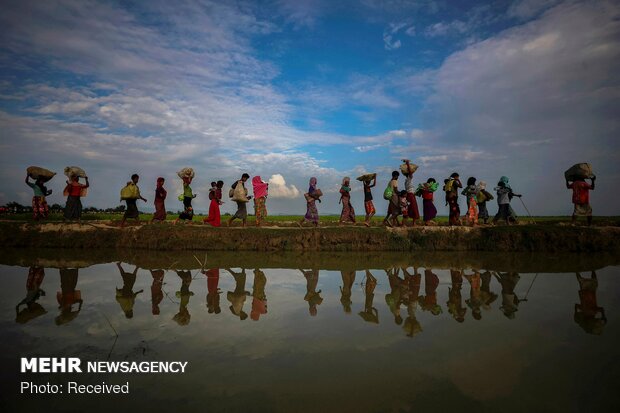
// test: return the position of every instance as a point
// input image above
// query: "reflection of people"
(394, 298)
(455, 301)
(370, 313)
(259, 299)
(237, 297)
(313, 297)
(486, 295)
(429, 301)
(587, 309)
(475, 294)
(68, 295)
(348, 278)
(157, 295)
(34, 292)
(125, 296)
(213, 292)
(412, 326)
(183, 317)
(510, 301)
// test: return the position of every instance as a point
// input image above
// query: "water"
(292, 340)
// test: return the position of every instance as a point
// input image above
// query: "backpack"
(389, 191)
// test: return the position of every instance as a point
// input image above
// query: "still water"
(318, 332)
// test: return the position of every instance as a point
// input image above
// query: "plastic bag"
(130, 191)
(389, 192)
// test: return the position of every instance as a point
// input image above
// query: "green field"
(288, 219)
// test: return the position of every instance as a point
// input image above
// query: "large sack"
(186, 173)
(579, 171)
(412, 168)
(74, 171)
(36, 172)
(240, 194)
(130, 192)
(367, 177)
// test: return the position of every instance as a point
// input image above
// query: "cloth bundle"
(36, 172)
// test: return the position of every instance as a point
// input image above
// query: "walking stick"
(528, 290)
(527, 210)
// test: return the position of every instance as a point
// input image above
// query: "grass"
(276, 219)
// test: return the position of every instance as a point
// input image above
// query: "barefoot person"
(160, 198)
(369, 207)
(40, 209)
(214, 216)
(132, 207)
(426, 191)
(391, 218)
(412, 205)
(348, 213)
(74, 191)
(313, 195)
(240, 196)
(187, 197)
(260, 198)
(581, 198)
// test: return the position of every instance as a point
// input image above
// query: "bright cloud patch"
(279, 189)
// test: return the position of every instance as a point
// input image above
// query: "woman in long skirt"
(312, 214)
(348, 213)
(260, 197)
(160, 197)
(74, 191)
(214, 217)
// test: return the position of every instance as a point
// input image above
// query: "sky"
(290, 89)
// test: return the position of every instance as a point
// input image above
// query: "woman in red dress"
(214, 207)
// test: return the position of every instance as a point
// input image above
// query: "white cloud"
(279, 189)
(524, 9)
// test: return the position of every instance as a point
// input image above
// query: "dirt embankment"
(522, 238)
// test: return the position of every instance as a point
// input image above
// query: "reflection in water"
(510, 301)
(68, 296)
(587, 309)
(32, 309)
(370, 313)
(213, 292)
(124, 296)
(157, 294)
(259, 298)
(348, 279)
(183, 317)
(475, 294)
(429, 301)
(313, 297)
(237, 297)
(404, 290)
(455, 300)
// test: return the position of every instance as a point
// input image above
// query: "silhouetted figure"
(510, 301)
(237, 297)
(429, 301)
(213, 292)
(455, 300)
(413, 281)
(394, 298)
(183, 317)
(486, 295)
(125, 296)
(348, 279)
(313, 297)
(157, 295)
(587, 309)
(259, 298)
(475, 294)
(32, 309)
(68, 296)
(370, 313)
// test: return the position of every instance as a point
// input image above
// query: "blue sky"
(293, 89)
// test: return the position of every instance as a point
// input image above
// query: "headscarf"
(504, 179)
(260, 187)
(312, 187)
(482, 186)
(345, 186)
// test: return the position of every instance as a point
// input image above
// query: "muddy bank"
(334, 261)
(522, 238)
